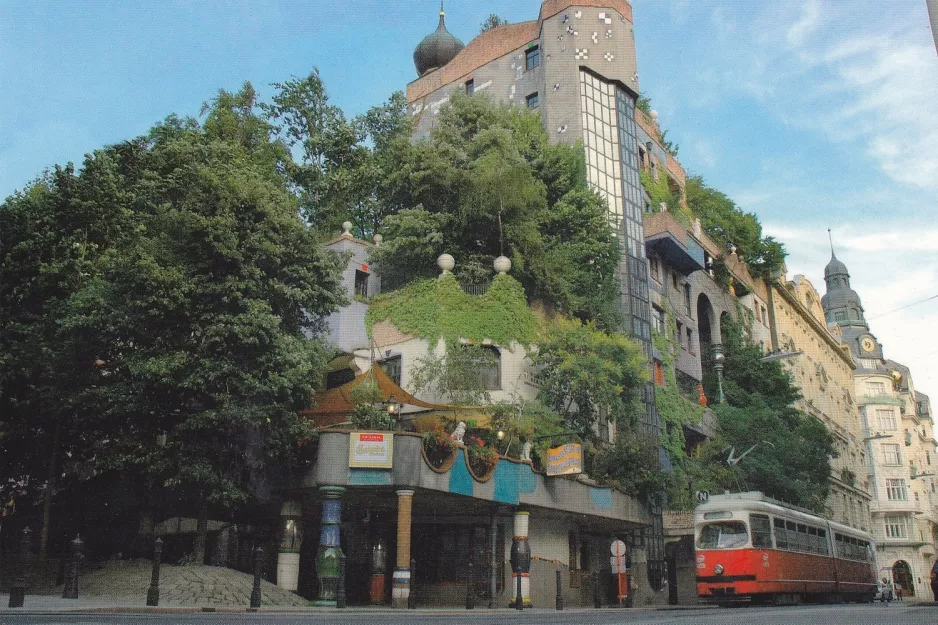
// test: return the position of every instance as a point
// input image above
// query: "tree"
(490, 183)
(492, 21)
(791, 457)
(192, 315)
(728, 224)
(590, 377)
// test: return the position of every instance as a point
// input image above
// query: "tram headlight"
(718, 569)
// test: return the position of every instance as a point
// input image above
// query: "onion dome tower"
(841, 303)
(437, 49)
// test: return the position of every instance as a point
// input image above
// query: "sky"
(810, 114)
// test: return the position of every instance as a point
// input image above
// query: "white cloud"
(809, 22)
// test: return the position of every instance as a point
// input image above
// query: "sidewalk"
(49, 604)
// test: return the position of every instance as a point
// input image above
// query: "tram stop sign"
(618, 562)
(617, 548)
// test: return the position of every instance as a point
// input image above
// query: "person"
(886, 591)
(898, 591)
(934, 580)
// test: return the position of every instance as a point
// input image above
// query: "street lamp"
(877, 437)
(394, 408)
(780, 356)
(718, 360)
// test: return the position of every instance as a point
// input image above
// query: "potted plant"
(482, 458)
(438, 448)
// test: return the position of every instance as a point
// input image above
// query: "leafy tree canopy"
(727, 223)
(792, 458)
(489, 183)
(176, 286)
(492, 21)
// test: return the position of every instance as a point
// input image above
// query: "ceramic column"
(288, 559)
(521, 558)
(327, 558)
(401, 585)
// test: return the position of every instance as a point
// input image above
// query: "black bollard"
(597, 596)
(411, 595)
(470, 595)
(559, 590)
(71, 574)
(340, 600)
(256, 591)
(153, 593)
(519, 600)
(18, 592)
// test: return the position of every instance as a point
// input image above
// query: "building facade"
(898, 436)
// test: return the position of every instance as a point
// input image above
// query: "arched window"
(490, 372)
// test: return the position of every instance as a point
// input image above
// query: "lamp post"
(394, 409)
(718, 360)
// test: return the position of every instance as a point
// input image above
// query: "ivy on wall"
(659, 191)
(675, 412)
(438, 308)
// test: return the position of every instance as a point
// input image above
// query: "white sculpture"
(459, 432)
(526, 451)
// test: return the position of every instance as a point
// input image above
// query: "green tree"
(489, 183)
(589, 376)
(492, 21)
(728, 224)
(791, 460)
(193, 321)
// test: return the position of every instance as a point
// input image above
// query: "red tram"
(753, 548)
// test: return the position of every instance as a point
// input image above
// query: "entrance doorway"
(902, 575)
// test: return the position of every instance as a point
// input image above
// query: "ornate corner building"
(899, 441)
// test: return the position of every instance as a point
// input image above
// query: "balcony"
(671, 241)
(892, 506)
(880, 400)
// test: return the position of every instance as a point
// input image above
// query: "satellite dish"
(703, 496)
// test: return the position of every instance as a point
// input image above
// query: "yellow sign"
(371, 450)
(565, 460)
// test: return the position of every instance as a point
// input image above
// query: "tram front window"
(723, 535)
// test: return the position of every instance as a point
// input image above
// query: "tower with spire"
(437, 49)
(842, 307)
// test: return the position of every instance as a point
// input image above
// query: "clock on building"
(867, 343)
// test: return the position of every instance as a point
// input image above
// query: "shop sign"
(371, 450)
(565, 460)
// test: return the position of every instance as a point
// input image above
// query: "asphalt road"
(876, 614)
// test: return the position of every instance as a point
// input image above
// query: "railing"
(474, 289)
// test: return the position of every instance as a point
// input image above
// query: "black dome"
(437, 49)
(835, 268)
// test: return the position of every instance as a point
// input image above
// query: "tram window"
(761, 531)
(781, 534)
(723, 535)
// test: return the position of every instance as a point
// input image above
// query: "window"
(641, 159)
(655, 266)
(891, 454)
(895, 527)
(657, 319)
(765, 316)
(690, 341)
(723, 535)
(761, 531)
(868, 363)
(781, 534)
(687, 298)
(361, 283)
(680, 333)
(470, 86)
(875, 388)
(532, 58)
(896, 491)
(886, 420)
(392, 367)
(674, 280)
(532, 100)
(490, 371)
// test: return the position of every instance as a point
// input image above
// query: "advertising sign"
(564, 460)
(371, 450)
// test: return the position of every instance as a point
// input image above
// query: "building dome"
(437, 49)
(835, 268)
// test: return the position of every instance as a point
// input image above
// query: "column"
(521, 559)
(401, 587)
(288, 558)
(327, 558)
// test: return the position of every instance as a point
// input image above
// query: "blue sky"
(810, 114)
